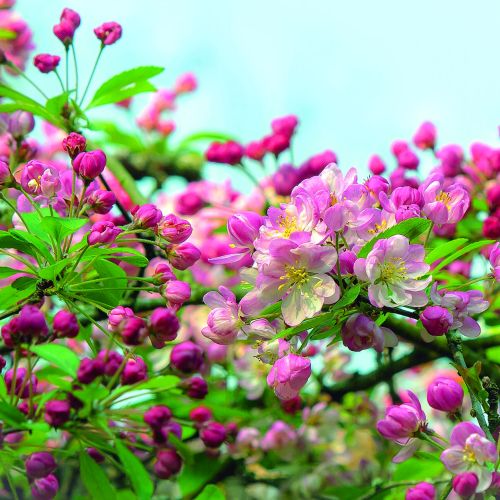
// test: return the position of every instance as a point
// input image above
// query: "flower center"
(288, 224)
(379, 227)
(393, 270)
(34, 183)
(333, 199)
(444, 198)
(469, 455)
(294, 276)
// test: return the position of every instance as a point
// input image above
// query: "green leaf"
(125, 85)
(126, 254)
(321, 319)
(94, 479)
(211, 492)
(51, 272)
(416, 469)
(11, 414)
(135, 471)
(349, 296)
(205, 136)
(5, 272)
(195, 475)
(9, 296)
(467, 249)
(411, 228)
(35, 242)
(493, 354)
(59, 355)
(444, 249)
(55, 104)
(164, 382)
(59, 227)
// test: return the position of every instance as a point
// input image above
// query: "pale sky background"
(358, 73)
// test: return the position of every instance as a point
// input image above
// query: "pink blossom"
(288, 375)
(108, 33)
(360, 332)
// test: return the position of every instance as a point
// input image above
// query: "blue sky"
(359, 74)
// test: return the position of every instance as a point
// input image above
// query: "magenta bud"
(421, 491)
(197, 388)
(163, 273)
(183, 256)
(228, 152)
(101, 201)
(90, 164)
(95, 455)
(135, 371)
(408, 160)
(244, 228)
(40, 464)
(491, 227)
(117, 315)
(108, 33)
(437, 320)
(74, 144)
(168, 463)
(425, 136)
(285, 125)
(285, 179)
(346, 261)
(31, 323)
(493, 197)
(276, 143)
(288, 375)
(89, 370)
(45, 63)
(21, 385)
(360, 332)
(163, 326)
(112, 361)
(255, 150)
(71, 17)
(57, 412)
(3, 362)
(174, 229)
(213, 434)
(444, 394)
(65, 31)
(146, 216)
(65, 324)
(200, 414)
(185, 83)
(376, 165)
(103, 232)
(465, 484)
(188, 203)
(177, 292)
(187, 357)
(157, 416)
(20, 124)
(45, 488)
(133, 330)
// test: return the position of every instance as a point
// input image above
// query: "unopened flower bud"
(45, 488)
(213, 434)
(444, 394)
(57, 412)
(45, 63)
(135, 371)
(183, 256)
(146, 216)
(174, 229)
(74, 144)
(65, 324)
(436, 320)
(20, 123)
(187, 357)
(89, 165)
(108, 33)
(39, 464)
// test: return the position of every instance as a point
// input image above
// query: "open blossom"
(288, 375)
(392, 268)
(470, 451)
(444, 205)
(38, 178)
(297, 274)
(223, 322)
(108, 33)
(461, 305)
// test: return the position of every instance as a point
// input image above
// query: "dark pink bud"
(108, 33)
(316, 164)
(101, 201)
(95, 455)
(229, 152)
(117, 315)
(187, 357)
(31, 323)
(163, 273)
(197, 388)
(276, 143)
(45, 488)
(65, 31)
(163, 326)
(189, 203)
(133, 331)
(2, 363)
(5, 175)
(57, 412)
(213, 434)
(20, 123)
(185, 83)
(200, 414)
(65, 324)
(346, 260)
(176, 292)
(183, 256)
(71, 17)
(40, 464)
(10, 332)
(174, 229)
(112, 361)
(465, 484)
(255, 150)
(397, 147)
(285, 125)
(285, 179)
(46, 63)
(89, 165)
(244, 228)
(103, 232)
(135, 371)
(491, 227)
(444, 394)
(168, 463)
(437, 320)
(451, 157)
(21, 384)
(493, 197)
(408, 160)
(89, 370)
(422, 491)
(146, 216)
(157, 416)
(74, 144)
(425, 137)
(376, 165)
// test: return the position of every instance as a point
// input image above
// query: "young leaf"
(95, 479)
(321, 319)
(59, 227)
(444, 249)
(411, 228)
(5, 272)
(133, 468)
(59, 355)
(467, 249)
(124, 85)
(211, 492)
(35, 242)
